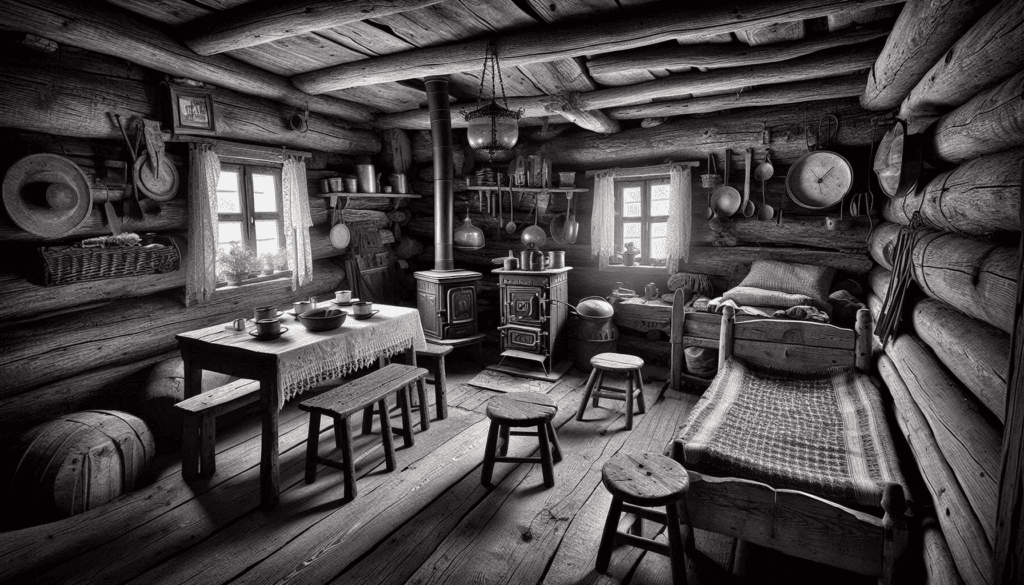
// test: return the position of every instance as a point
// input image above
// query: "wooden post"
(1008, 558)
(862, 329)
(727, 335)
(676, 337)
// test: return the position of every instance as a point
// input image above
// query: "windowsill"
(256, 283)
(635, 269)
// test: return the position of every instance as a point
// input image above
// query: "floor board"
(428, 522)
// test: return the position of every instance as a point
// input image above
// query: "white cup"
(343, 296)
(301, 307)
(268, 326)
(362, 308)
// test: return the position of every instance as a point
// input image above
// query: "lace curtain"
(297, 221)
(680, 197)
(201, 262)
(602, 222)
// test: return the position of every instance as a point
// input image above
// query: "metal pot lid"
(340, 236)
(594, 307)
(163, 188)
(47, 195)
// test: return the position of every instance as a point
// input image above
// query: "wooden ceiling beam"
(924, 31)
(829, 63)
(768, 95)
(248, 25)
(107, 30)
(599, 35)
(727, 55)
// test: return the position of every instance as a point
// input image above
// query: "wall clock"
(819, 179)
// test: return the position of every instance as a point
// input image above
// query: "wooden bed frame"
(790, 521)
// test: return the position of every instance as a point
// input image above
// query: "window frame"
(645, 219)
(247, 215)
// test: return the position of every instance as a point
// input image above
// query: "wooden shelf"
(370, 195)
(530, 189)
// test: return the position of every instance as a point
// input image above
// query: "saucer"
(293, 313)
(347, 304)
(366, 316)
(268, 336)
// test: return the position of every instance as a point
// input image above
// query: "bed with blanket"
(789, 447)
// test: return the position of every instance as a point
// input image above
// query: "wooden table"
(275, 365)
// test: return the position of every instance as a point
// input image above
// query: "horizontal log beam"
(979, 197)
(764, 95)
(977, 277)
(727, 55)
(968, 545)
(986, 55)
(993, 121)
(61, 347)
(104, 29)
(78, 103)
(831, 63)
(246, 26)
(922, 33)
(572, 40)
(694, 138)
(535, 109)
(968, 441)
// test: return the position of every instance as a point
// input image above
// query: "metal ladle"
(510, 227)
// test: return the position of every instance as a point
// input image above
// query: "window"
(641, 217)
(249, 208)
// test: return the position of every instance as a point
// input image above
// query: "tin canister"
(651, 291)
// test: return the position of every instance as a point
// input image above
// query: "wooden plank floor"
(430, 521)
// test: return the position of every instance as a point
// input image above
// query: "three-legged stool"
(639, 482)
(517, 410)
(617, 363)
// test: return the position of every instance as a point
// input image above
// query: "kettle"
(532, 259)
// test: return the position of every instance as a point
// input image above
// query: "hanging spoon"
(510, 227)
(766, 212)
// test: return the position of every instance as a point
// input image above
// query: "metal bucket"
(587, 349)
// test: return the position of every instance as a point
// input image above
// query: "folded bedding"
(823, 433)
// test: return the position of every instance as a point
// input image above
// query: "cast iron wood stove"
(532, 325)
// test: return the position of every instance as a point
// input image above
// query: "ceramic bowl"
(322, 319)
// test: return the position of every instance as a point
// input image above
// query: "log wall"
(90, 345)
(949, 366)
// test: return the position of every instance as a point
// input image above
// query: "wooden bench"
(436, 353)
(199, 425)
(342, 402)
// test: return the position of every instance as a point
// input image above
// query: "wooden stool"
(436, 354)
(615, 362)
(345, 400)
(637, 484)
(199, 421)
(516, 410)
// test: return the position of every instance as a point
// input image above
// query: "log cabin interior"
(613, 291)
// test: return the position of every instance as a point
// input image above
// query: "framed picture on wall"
(191, 111)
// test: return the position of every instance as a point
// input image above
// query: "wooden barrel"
(165, 387)
(78, 462)
(701, 361)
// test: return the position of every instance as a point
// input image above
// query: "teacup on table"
(362, 308)
(267, 312)
(343, 296)
(268, 326)
(301, 307)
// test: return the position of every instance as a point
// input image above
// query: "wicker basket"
(71, 264)
(710, 181)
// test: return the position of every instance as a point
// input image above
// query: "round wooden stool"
(517, 410)
(617, 363)
(639, 482)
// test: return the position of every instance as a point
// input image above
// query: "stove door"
(462, 305)
(522, 305)
(529, 339)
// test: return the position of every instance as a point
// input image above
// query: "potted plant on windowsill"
(267, 263)
(236, 263)
(629, 254)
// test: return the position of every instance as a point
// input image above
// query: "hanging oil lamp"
(467, 236)
(492, 127)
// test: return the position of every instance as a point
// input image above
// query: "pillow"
(797, 279)
(757, 297)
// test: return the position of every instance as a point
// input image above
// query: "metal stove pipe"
(444, 194)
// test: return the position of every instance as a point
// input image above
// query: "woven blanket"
(823, 433)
